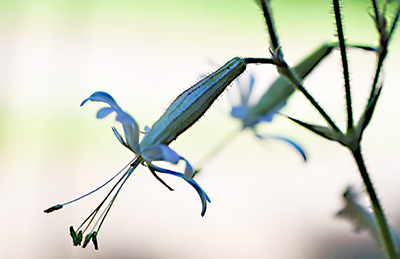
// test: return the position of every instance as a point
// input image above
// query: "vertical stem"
(270, 24)
(386, 237)
(342, 45)
(376, 12)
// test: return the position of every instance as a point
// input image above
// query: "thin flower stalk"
(345, 65)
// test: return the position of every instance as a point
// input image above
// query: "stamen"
(105, 212)
(87, 240)
(76, 238)
(59, 206)
(94, 213)
(158, 178)
(94, 240)
(51, 209)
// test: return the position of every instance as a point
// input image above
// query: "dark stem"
(289, 75)
(376, 12)
(259, 61)
(318, 107)
(394, 23)
(386, 237)
(378, 70)
(342, 45)
(270, 25)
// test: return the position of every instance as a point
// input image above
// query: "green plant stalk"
(265, 6)
(228, 138)
(345, 65)
(386, 237)
(292, 77)
(283, 68)
(381, 58)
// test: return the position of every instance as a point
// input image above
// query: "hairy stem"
(270, 25)
(342, 45)
(289, 75)
(385, 235)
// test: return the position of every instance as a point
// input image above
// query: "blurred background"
(266, 203)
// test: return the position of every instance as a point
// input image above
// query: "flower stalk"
(345, 65)
(386, 237)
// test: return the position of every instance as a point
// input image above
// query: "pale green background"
(266, 203)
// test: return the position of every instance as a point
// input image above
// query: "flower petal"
(163, 152)
(270, 115)
(131, 130)
(160, 152)
(189, 172)
(239, 112)
(119, 137)
(293, 144)
(245, 94)
(104, 112)
(102, 97)
(203, 196)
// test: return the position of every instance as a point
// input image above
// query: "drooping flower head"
(129, 139)
(180, 115)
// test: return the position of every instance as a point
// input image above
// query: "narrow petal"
(247, 95)
(293, 144)
(203, 196)
(104, 112)
(131, 130)
(119, 137)
(102, 97)
(160, 152)
(239, 112)
(189, 172)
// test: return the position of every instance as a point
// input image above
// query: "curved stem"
(385, 235)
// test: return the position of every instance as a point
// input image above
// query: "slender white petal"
(189, 172)
(203, 196)
(119, 137)
(160, 152)
(131, 130)
(246, 93)
(102, 97)
(239, 112)
(104, 112)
